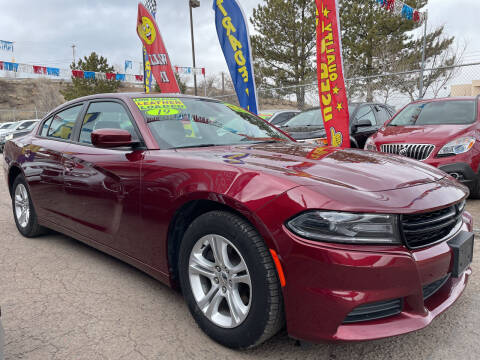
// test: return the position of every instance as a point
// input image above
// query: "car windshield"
(190, 122)
(436, 113)
(8, 126)
(306, 118)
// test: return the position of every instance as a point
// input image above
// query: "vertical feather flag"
(331, 82)
(232, 31)
(161, 66)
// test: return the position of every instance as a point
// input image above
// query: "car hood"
(304, 164)
(426, 134)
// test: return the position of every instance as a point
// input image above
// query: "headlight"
(9, 137)
(457, 146)
(370, 145)
(343, 227)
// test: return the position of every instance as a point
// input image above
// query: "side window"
(45, 126)
(63, 123)
(365, 113)
(382, 115)
(105, 115)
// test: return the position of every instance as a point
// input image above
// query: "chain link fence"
(395, 89)
(9, 115)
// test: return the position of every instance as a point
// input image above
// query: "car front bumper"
(462, 167)
(326, 282)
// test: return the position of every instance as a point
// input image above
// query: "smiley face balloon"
(146, 30)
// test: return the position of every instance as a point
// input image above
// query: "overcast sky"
(44, 31)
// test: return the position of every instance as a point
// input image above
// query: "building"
(472, 89)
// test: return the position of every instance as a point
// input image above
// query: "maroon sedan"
(257, 230)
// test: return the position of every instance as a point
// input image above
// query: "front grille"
(420, 230)
(373, 311)
(414, 151)
(430, 289)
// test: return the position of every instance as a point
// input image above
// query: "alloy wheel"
(220, 281)
(22, 205)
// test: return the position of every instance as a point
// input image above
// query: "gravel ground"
(61, 299)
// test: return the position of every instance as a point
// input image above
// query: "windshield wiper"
(199, 145)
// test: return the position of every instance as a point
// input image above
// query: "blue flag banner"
(89, 74)
(128, 65)
(120, 77)
(10, 66)
(6, 45)
(53, 71)
(232, 31)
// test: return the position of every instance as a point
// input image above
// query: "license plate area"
(462, 248)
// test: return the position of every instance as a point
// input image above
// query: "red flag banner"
(150, 36)
(331, 82)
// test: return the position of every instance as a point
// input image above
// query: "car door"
(364, 114)
(102, 186)
(43, 163)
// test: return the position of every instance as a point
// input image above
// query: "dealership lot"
(61, 299)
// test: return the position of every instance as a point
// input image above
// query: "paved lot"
(64, 300)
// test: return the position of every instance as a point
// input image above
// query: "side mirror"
(111, 138)
(363, 123)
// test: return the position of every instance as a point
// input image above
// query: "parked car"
(257, 230)
(22, 130)
(444, 133)
(6, 125)
(365, 120)
(278, 117)
(19, 125)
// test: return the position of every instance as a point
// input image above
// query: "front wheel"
(229, 280)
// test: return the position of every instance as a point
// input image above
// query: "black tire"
(265, 316)
(32, 228)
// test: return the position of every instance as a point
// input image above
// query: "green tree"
(82, 87)
(376, 41)
(284, 47)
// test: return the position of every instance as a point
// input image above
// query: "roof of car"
(456, 98)
(274, 111)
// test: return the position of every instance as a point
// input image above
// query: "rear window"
(307, 118)
(436, 113)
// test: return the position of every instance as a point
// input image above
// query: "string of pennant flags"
(65, 73)
(185, 70)
(400, 8)
(80, 74)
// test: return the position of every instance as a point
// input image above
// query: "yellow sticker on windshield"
(147, 104)
(162, 111)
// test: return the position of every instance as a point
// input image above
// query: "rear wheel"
(23, 210)
(229, 280)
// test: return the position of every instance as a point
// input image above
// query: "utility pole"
(223, 83)
(424, 49)
(193, 4)
(73, 52)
